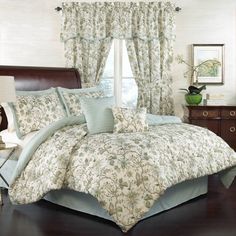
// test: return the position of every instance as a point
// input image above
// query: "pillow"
(98, 114)
(70, 98)
(34, 110)
(129, 120)
(11, 137)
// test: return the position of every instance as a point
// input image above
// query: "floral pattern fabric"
(150, 63)
(126, 172)
(89, 57)
(129, 120)
(73, 102)
(34, 112)
(121, 20)
(147, 27)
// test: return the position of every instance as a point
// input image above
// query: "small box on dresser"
(219, 119)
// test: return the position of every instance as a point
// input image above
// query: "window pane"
(107, 84)
(129, 92)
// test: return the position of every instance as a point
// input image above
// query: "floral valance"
(122, 20)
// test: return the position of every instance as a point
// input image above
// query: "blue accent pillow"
(98, 114)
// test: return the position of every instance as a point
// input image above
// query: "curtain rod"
(178, 9)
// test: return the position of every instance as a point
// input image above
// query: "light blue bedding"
(158, 120)
(173, 196)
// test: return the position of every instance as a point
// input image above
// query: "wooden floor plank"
(211, 215)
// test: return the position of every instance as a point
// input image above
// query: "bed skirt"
(173, 196)
(86, 203)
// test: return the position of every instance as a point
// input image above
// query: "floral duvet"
(126, 172)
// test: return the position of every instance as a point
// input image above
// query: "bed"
(32, 79)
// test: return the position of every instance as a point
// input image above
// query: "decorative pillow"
(70, 98)
(98, 114)
(129, 120)
(34, 110)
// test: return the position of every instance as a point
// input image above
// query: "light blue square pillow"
(98, 114)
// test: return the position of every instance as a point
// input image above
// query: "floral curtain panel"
(147, 27)
(154, 86)
(89, 56)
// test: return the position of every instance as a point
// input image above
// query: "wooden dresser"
(219, 119)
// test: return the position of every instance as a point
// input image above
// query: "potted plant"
(193, 95)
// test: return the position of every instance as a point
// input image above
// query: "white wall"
(206, 21)
(30, 35)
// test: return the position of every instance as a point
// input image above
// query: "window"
(117, 77)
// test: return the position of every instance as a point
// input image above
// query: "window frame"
(118, 77)
(118, 49)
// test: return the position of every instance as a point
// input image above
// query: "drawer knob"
(232, 129)
(205, 113)
(232, 113)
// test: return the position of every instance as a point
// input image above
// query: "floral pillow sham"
(71, 98)
(129, 120)
(34, 110)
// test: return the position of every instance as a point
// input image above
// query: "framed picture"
(208, 61)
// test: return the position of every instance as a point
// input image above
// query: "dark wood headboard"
(40, 78)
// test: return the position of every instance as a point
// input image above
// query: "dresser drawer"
(204, 113)
(212, 125)
(228, 129)
(228, 113)
(219, 119)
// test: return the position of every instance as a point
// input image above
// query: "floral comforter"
(126, 172)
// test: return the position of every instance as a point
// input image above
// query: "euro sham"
(70, 98)
(34, 110)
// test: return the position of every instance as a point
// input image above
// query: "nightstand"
(4, 158)
(219, 119)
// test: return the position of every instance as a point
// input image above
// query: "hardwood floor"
(211, 215)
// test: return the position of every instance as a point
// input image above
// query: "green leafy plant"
(194, 90)
(205, 67)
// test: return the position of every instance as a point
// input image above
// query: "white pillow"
(11, 137)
